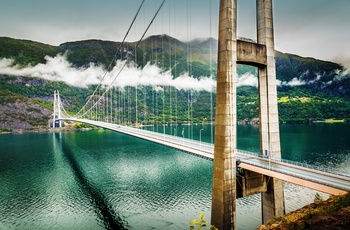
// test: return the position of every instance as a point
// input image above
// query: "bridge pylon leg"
(223, 213)
(273, 198)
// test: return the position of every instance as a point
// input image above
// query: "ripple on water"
(159, 184)
(296, 196)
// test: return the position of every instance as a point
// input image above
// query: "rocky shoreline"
(333, 213)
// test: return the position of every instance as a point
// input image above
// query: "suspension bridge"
(110, 107)
(326, 180)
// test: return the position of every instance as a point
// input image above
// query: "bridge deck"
(324, 181)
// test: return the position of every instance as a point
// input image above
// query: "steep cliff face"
(18, 113)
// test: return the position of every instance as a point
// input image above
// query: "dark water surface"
(104, 180)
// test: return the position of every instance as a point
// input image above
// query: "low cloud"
(55, 69)
(152, 75)
(59, 69)
(345, 61)
(294, 82)
(247, 79)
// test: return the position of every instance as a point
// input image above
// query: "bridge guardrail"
(346, 188)
(319, 168)
(296, 163)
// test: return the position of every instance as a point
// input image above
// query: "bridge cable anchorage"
(114, 58)
(127, 60)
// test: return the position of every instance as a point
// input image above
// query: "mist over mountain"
(307, 88)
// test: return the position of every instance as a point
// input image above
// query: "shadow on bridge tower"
(231, 52)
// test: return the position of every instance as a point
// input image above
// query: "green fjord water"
(104, 180)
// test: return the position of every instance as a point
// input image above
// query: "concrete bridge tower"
(56, 123)
(261, 54)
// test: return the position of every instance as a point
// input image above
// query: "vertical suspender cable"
(154, 112)
(163, 110)
(157, 107)
(129, 107)
(103, 108)
(170, 102)
(211, 76)
(156, 40)
(106, 107)
(136, 109)
(111, 100)
(119, 106)
(175, 67)
(96, 118)
(90, 118)
(188, 71)
(190, 65)
(124, 107)
(145, 105)
(136, 120)
(143, 64)
(163, 66)
(98, 107)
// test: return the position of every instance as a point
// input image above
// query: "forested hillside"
(308, 89)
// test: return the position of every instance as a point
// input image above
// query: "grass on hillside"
(334, 120)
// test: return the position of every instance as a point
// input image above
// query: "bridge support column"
(223, 213)
(273, 198)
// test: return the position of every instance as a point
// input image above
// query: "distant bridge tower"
(56, 123)
(261, 54)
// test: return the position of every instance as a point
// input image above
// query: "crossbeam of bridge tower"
(56, 123)
(261, 54)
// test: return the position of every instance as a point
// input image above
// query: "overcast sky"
(312, 28)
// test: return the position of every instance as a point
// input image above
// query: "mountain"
(309, 89)
(25, 52)
(21, 113)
